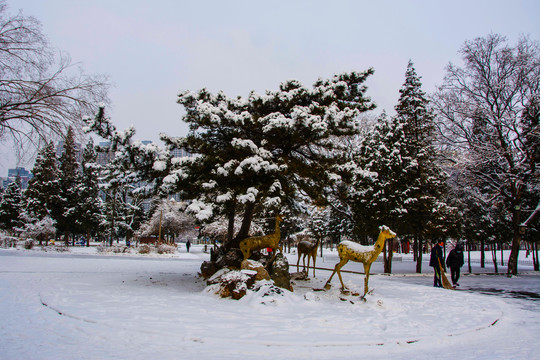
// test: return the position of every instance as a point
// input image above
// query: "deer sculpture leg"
(314, 258)
(309, 256)
(367, 266)
(298, 262)
(337, 269)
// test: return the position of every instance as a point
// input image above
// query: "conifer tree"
(380, 191)
(124, 191)
(90, 207)
(42, 197)
(427, 211)
(69, 177)
(11, 206)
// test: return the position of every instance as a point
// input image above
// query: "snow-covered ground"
(82, 305)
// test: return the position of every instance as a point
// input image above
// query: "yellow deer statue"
(261, 242)
(366, 255)
(307, 248)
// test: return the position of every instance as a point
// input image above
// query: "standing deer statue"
(349, 250)
(260, 242)
(307, 248)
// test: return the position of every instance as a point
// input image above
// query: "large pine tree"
(266, 152)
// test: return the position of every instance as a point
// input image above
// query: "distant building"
(104, 156)
(180, 153)
(22, 173)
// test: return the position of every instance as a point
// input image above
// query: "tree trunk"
(244, 229)
(415, 249)
(230, 226)
(419, 257)
(535, 256)
(516, 242)
(494, 256)
(469, 255)
(482, 253)
(388, 258)
(502, 253)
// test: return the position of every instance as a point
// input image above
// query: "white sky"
(153, 49)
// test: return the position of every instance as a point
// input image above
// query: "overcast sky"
(152, 50)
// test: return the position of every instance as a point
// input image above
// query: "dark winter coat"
(455, 259)
(436, 256)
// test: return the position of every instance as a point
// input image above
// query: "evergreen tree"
(11, 206)
(90, 207)
(427, 212)
(257, 155)
(124, 193)
(69, 175)
(42, 196)
(272, 150)
(380, 190)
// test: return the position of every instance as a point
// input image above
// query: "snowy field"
(82, 305)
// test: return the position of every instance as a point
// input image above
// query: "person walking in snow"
(455, 261)
(435, 261)
(188, 244)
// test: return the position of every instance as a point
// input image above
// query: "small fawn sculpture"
(260, 242)
(349, 250)
(307, 248)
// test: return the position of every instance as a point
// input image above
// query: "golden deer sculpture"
(307, 248)
(260, 242)
(349, 250)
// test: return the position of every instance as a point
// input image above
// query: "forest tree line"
(459, 163)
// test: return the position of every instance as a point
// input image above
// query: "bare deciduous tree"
(480, 107)
(41, 93)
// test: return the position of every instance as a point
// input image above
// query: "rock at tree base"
(208, 268)
(262, 274)
(280, 272)
(232, 283)
(233, 258)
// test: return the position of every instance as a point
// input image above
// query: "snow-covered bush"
(144, 249)
(36, 229)
(60, 247)
(102, 249)
(118, 249)
(115, 249)
(28, 244)
(166, 249)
